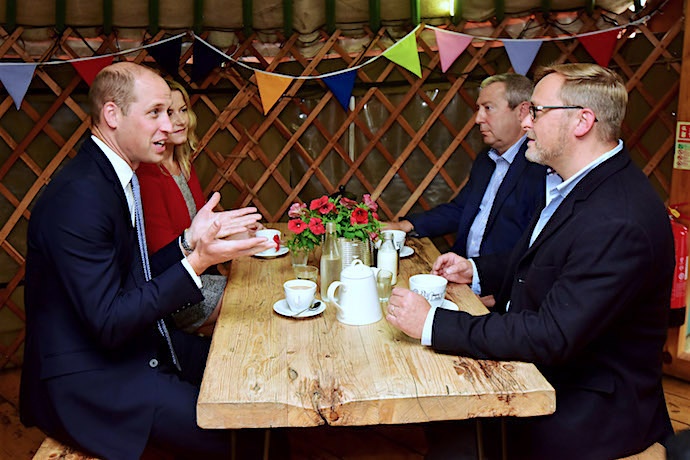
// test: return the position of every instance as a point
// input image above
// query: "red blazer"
(165, 212)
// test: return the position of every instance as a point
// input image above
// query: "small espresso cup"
(270, 235)
(299, 294)
(306, 272)
(431, 287)
(398, 238)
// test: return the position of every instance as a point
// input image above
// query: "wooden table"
(266, 370)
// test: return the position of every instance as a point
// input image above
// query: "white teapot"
(357, 301)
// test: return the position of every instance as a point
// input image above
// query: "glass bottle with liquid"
(388, 256)
(330, 260)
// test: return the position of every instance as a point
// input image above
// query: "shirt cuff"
(192, 273)
(476, 285)
(428, 327)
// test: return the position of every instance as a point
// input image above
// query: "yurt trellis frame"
(247, 138)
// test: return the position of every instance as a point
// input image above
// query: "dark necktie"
(141, 235)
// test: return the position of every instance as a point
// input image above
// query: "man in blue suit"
(585, 295)
(97, 374)
(503, 191)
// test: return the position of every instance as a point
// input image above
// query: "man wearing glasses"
(585, 295)
(503, 191)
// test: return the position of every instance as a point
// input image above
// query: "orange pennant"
(271, 87)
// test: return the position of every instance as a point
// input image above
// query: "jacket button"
(153, 363)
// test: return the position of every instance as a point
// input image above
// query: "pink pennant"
(450, 46)
(600, 45)
(89, 68)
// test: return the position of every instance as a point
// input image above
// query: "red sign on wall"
(681, 158)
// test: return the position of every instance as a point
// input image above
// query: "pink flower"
(348, 203)
(359, 216)
(375, 215)
(297, 225)
(296, 210)
(316, 226)
(371, 204)
(322, 205)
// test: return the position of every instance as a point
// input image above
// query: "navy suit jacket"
(589, 303)
(519, 196)
(90, 315)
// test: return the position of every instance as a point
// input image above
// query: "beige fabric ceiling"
(309, 15)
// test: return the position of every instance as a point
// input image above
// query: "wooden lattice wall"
(408, 141)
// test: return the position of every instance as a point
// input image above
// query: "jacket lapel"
(509, 183)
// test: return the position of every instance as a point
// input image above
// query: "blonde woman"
(171, 195)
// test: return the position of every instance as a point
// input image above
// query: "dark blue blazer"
(589, 304)
(90, 316)
(520, 195)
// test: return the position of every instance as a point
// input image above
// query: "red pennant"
(600, 45)
(89, 68)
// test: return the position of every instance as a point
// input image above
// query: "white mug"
(270, 234)
(431, 287)
(299, 294)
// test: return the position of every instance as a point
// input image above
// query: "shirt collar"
(122, 169)
(509, 154)
(565, 187)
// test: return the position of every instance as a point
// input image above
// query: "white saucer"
(281, 307)
(406, 251)
(282, 251)
(448, 305)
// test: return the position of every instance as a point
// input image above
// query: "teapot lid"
(356, 270)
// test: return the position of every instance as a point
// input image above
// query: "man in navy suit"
(585, 295)
(97, 374)
(503, 191)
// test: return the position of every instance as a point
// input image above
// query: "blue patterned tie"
(141, 234)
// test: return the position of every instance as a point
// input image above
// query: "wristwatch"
(184, 243)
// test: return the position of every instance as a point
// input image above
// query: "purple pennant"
(341, 85)
(167, 55)
(17, 78)
(206, 58)
(522, 53)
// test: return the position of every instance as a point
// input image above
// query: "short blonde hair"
(600, 89)
(114, 83)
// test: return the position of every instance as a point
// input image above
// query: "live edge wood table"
(267, 370)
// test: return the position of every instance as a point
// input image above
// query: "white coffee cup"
(268, 233)
(431, 287)
(398, 238)
(299, 294)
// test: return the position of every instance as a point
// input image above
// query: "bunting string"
(600, 44)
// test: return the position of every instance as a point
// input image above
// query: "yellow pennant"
(271, 87)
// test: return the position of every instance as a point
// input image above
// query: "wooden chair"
(53, 450)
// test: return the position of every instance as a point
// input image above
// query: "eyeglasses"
(533, 109)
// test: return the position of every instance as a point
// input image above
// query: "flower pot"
(356, 249)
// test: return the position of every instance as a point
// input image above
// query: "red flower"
(359, 217)
(348, 203)
(323, 205)
(375, 215)
(297, 225)
(316, 226)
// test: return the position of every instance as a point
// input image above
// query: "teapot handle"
(331, 293)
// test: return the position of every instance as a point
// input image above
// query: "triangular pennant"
(89, 68)
(450, 46)
(271, 87)
(405, 54)
(341, 85)
(600, 46)
(206, 58)
(167, 55)
(17, 78)
(522, 53)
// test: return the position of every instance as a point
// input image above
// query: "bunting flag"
(89, 68)
(17, 78)
(167, 55)
(522, 53)
(450, 46)
(600, 45)
(271, 87)
(341, 85)
(206, 58)
(405, 54)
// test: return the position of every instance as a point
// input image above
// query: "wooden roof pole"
(678, 359)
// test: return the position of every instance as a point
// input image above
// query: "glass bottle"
(330, 260)
(388, 256)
